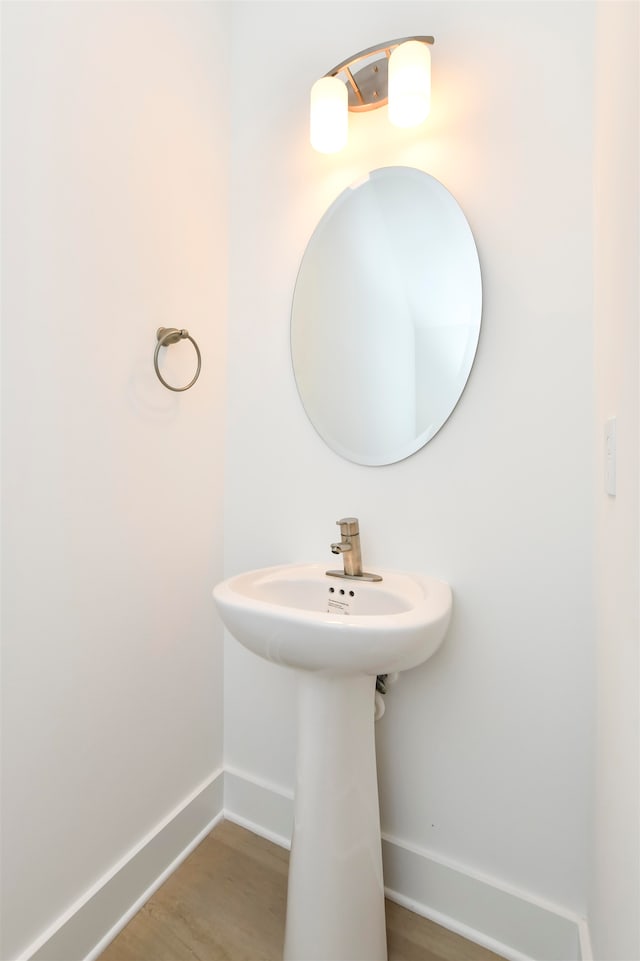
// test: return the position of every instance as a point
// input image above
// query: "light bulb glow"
(329, 115)
(409, 84)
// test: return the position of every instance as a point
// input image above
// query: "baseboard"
(87, 927)
(511, 923)
(586, 951)
(258, 805)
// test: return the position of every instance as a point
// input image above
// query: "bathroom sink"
(339, 633)
(299, 616)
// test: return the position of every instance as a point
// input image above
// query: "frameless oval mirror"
(386, 316)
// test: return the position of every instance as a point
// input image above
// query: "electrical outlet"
(610, 456)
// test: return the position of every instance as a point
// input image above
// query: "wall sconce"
(397, 72)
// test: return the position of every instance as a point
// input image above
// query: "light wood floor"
(226, 902)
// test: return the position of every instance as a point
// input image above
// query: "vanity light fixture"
(397, 72)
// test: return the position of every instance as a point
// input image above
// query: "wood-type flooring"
(226, 902)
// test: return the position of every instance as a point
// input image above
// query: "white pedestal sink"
(335, 903)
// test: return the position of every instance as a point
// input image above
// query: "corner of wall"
(89, 925)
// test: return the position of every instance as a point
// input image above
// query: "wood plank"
(226, 902)
(411, 937)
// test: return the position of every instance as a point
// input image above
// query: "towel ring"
(171, 335)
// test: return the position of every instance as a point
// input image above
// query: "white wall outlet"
(610, 456)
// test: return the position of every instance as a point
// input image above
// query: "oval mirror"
(386, 316)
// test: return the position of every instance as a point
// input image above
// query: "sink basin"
(299, 616)
(338, 633)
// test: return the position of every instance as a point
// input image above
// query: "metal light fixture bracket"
(365, 74)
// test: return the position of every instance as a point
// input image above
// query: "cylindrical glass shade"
(409, 84)
(329, 115)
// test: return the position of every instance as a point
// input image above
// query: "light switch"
(610, 456)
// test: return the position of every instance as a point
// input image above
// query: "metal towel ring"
(171, 335)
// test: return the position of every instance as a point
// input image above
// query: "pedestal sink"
(338, 634)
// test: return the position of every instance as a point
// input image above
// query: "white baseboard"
(586, 951)
(258, 805)
(87, 927)
(511, 923)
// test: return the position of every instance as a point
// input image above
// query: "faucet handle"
(348, 526)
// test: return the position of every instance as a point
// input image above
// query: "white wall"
(115, 220)
(114, 223)
(485, 752)
(614, 913)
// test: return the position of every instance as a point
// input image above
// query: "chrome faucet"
(349, 547)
